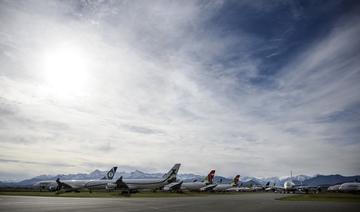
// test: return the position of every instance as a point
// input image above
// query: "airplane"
(291, 187)
(205, 185)
(134, 185)
(346, 187)
(334, 187)
(350, 187)
(51, 185)
(228, 187)
(124, 185)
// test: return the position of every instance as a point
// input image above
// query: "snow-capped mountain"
(330, 179)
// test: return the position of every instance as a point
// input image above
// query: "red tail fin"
(211, 176)
(236, 179)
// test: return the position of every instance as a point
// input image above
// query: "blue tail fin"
(110, 174)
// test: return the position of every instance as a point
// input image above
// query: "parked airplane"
(350, 187)
(134, 185)
(51, 185)
(291, 187)
(228, 187)
(124, 185)
(346, 187)
(205, 185)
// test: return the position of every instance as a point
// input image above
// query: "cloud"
(166, 84)
(36, 163)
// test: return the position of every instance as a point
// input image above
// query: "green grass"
(329, 197)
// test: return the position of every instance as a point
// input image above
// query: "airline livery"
(52, 185)
(124, 185)
(228, 187)
(205, 185)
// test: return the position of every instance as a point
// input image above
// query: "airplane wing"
(307, 189)
(120, 184)
(62, 185)
(208, 187)
(175, 186)
(275, 188)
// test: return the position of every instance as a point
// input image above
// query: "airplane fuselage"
(193, 186)
(133, 184)
(222, 187)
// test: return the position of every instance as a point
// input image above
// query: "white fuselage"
(133, 184)
(334, 188)
(222, 187)
(243, 189)
(350, 187)
(47, 185)
(289, 186)
(193, 186)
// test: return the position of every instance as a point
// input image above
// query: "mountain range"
(245, 181)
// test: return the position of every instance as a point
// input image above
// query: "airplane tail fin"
(120, 184)
(267, 184)
(171, 175)
(210, 177)
(235, 181)
(62, 185)
(110, 174)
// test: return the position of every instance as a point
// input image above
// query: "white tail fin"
(171, 175)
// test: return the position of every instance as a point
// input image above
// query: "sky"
(256, 88)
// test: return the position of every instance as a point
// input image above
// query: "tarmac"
(242, 202)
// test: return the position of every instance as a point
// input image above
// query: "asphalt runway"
(243, 202)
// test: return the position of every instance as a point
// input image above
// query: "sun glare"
(65, 70)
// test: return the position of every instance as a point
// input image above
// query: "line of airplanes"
(167, 182)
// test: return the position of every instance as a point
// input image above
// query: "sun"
(65, 70)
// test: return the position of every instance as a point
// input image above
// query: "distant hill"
(299, 179)
(7, 184)
(329, 180)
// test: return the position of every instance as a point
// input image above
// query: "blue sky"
(244, 87)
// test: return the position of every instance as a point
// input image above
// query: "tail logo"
(110, 174)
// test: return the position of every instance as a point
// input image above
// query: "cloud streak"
(166, 84)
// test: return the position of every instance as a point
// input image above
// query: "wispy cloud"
(165, 83)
